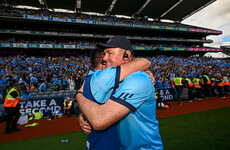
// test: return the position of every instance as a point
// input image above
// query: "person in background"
(220, 86)
(1, 103)
(190, 86)
(55, 87)
(2, 82)
(198, 86)
(179, 84)
(43, 87)
(33, 81)
(160, 82)
(226, 84)
(206, 84)
(166, 83)
(68, 106)
(11, 105)
(71, 83)
(213, 85)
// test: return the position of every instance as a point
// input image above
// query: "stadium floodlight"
(78, 2)
(141, 9)
(77, 6)
(4, 3)
(111, 7)
(43, 4)
(171, 8)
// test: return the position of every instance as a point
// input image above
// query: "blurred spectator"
(198, 86)
(2, 83)
(179, 84)
(220, 86)
(68, 106)
(43, 87)
(71, 83)
(55, 87)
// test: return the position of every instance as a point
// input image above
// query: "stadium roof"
(175, 10)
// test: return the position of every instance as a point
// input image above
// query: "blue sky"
(226, 38)
(215, 16)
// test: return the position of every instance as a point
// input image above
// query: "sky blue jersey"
(103, 82)
(139, 129)
(101, 139)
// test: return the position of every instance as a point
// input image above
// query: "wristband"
(78, 93)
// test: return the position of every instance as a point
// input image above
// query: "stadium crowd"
(34, 72)
(139, 21)
(88, 43)
(41, 73)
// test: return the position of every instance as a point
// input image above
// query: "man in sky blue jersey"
(106, 139)
(133, 104)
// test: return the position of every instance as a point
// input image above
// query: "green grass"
(77, 142)
(207, 130)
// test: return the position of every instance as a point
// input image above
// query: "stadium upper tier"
(175, 10)
(90, 36)
(45, 15)
(49, 31)
(78, 44)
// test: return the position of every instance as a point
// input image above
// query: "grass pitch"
(206, 130)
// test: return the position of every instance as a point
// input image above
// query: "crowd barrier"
(170, 94)
(42, 104)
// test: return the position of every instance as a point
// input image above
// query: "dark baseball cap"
(117, 42)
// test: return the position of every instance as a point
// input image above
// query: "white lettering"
(29, 104)
(28, 111)
(36, 103)
(6, 45)
(166, 97)
(52, 102)
(32, 45)
(167, 92)
(35, 110)
(161, 92)
(43, 103)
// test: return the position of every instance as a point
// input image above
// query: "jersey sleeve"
(134, 91)
(103, 82)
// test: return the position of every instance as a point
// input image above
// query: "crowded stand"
(55, 74)
(58, 74)
(44, 75)
(139, 21)
(87, 43)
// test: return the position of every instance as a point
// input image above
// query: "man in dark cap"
(94, 90)
(11, 105)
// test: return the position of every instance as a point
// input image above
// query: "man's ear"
(129, 56)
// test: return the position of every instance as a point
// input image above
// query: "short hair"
(95, 57)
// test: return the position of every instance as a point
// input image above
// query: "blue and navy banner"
(41, 104)
(54, 46)
(33, 45)
(117, 24)
(102, 23)
(166, 94)
(20, 45)
(6, 44)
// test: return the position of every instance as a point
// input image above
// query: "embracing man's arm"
(137, 64)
